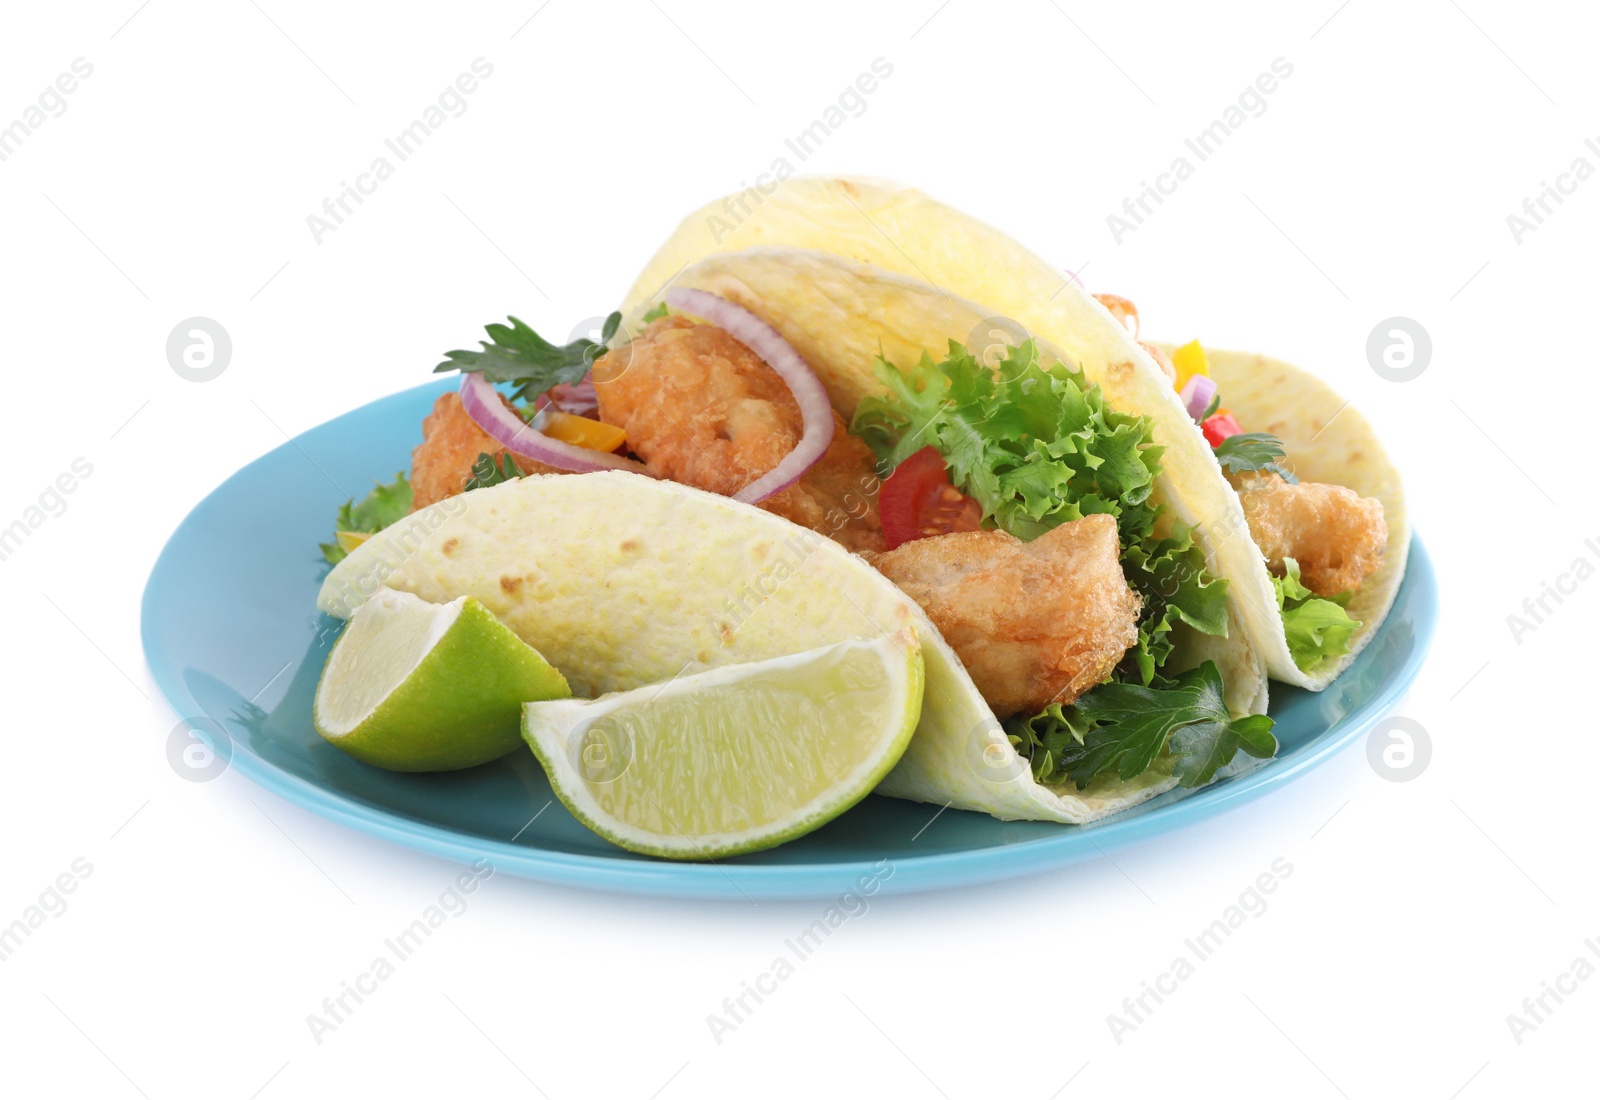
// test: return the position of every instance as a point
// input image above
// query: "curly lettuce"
(1317, 628)
(386, 504)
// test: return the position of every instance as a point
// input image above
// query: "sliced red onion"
(816, 411)
(1197, 394)
(505, 427)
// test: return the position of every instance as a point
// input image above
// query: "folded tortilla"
(901, 230)
(622, 581)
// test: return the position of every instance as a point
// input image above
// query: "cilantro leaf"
(1316, 628)
(485, 473)
(1125, 729)
(1250, 451)
(654, 313)
(520, 355)
(1201, 749)
(386, 504)
(1037, 446)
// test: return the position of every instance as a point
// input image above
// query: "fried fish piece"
(451, 442)
(702, 409)
(1335, 535)
(1034, 622)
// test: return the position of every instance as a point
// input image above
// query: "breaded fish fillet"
(1335, 535)
(451, 443)
(701, 408)
(1034, 622)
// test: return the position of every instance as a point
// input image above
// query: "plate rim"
(749, 882)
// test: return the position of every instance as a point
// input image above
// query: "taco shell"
(621, 581)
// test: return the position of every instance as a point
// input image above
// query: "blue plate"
(234, 640)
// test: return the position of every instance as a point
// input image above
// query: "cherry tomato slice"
(1220, 427)
(918, 500)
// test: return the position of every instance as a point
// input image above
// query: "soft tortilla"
(621, 581)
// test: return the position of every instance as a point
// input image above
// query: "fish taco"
(625, 503)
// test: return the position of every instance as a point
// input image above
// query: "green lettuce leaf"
(1123, 729)
(386, 504)
(1171, 577)
(1316, 628)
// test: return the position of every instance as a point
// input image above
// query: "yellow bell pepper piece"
(580, 431)
(1189, 360)
(349, 540)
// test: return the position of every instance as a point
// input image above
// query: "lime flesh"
(736, 759)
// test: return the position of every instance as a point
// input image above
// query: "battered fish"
(1034, 622)
(702, 409)
(1336, 535)
(451, 442)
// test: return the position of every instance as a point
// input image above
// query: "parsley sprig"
(1121, 728)
(1250, 451)
(515, 353)
(485, 473)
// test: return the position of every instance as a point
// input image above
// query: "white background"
(1377, 183)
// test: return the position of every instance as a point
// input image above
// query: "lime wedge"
(418, 687)
(738, 758)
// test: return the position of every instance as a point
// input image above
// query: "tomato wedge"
(918, 500)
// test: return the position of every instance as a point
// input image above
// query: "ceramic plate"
(234, 640)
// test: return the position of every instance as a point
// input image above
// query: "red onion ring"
(816, 411)
(505, 427)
